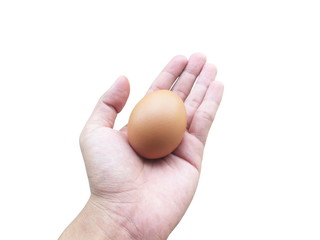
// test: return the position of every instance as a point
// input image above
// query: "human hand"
(132, 197)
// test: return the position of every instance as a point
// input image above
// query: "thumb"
(110, 104)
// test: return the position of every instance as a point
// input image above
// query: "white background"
(260, 177)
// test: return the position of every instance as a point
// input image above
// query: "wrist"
(96, 222)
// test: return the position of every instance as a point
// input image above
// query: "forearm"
(94, 223)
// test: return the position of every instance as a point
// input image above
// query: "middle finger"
(188, 77)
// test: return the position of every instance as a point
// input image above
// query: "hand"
(145, 199)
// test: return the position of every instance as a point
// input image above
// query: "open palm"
(149, 197)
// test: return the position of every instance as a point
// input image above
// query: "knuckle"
(181, 93)
(205, 115)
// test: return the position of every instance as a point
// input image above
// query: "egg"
(157, 124)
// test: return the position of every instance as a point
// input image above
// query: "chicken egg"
(157, 124)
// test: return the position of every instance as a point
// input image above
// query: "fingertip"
(209, 71)
(122, 83)
(196, 59)
(218, 84)
(122, 80)
(180, 58)
(176, 65)
(213, 67)
(198, 55)
(122, 77)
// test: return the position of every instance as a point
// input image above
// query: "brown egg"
(157, 124)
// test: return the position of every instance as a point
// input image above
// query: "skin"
(135, 198)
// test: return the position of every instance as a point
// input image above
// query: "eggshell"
(157, 124)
